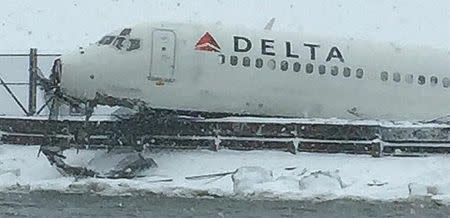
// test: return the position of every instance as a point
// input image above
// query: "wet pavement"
(56, 204)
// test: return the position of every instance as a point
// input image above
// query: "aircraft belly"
(318, 99)
(242, 98)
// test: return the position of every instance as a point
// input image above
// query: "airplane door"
(163, 55)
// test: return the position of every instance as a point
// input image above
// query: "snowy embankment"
(257, 174)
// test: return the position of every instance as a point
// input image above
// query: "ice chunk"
(321, 182)
(416, 189)
(123, 113)
(285, 184)
(92, 187)
(15, 172)
(245, 178)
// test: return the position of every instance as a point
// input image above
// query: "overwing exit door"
(163, 55)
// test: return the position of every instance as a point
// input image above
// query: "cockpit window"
(123, 43)
(134, 44)
(119, 42)
(106, 40)
(125, 32)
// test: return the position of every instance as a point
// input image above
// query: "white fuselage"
(179, 66)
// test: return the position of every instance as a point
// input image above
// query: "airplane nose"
(74, 73)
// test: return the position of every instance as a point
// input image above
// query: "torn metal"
(144, 127)
(127, 168)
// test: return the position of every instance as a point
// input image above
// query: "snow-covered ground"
(261, 174)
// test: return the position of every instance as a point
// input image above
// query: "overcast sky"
(55, 25)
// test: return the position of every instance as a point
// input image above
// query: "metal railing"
(27, 55)
(32, 80)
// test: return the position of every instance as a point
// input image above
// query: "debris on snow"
(131, 165)
(169, 178)
(19, 188)
(128, 166)
(209, 176)
(376, 183)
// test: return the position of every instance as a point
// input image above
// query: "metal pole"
(32, 82)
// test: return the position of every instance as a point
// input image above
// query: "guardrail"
(27, 55)
(32, 79)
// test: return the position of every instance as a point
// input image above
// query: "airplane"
(261, 84)
(215, 68)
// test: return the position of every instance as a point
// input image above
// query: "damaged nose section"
(54, 94)
(55, 77)
(48, 84)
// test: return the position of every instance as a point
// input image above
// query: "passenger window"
(284, 65)
(119, 42)
(221, 59)
(233, 60)
(309, 68)
(334, 71)
(347, 72)
(359, 73)
(134, 44)
(106, 40)
(433, 81)
(421, 80)
(297, 67)
(384, 76)
(271, 64)
(259, 63)
(446, 82)
(246, 62)
(322, 69)
(409, 78)
(396, 77)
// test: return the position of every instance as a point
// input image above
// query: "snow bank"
(273, 175)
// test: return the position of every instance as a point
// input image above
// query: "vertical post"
(32, 82)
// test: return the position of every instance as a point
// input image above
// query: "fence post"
(32, 82)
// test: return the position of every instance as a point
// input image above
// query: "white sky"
(54, 25)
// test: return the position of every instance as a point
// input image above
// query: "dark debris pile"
(127, 168)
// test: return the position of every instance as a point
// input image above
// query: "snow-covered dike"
(257, 174)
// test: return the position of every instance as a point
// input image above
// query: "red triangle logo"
(207, 43)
